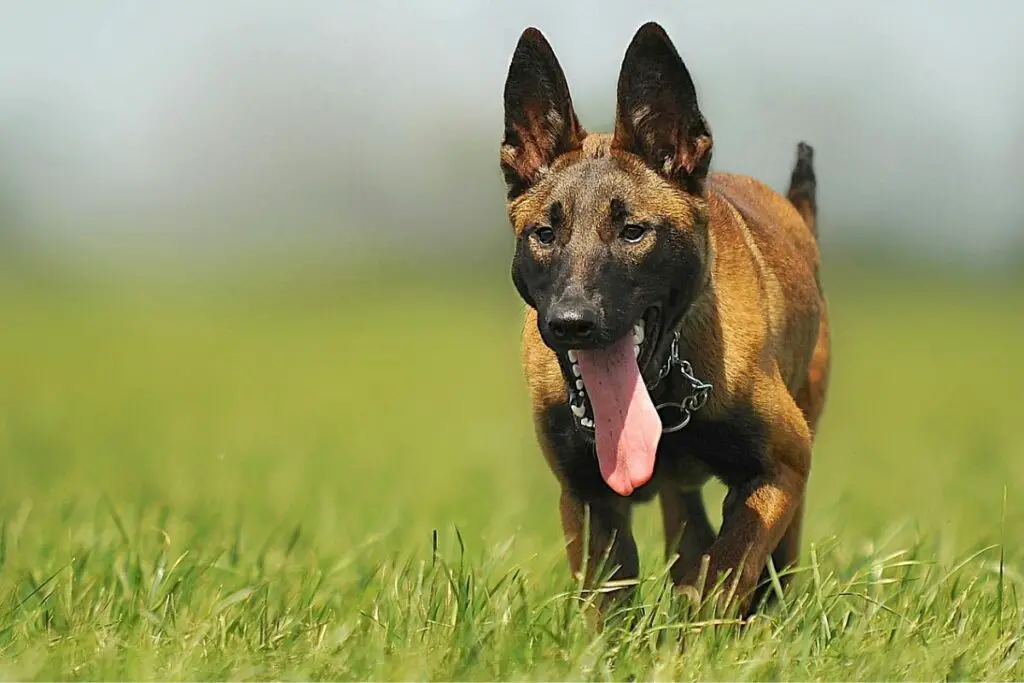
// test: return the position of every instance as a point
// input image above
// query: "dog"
(676, 326)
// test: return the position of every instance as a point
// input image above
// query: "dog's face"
(611, 230)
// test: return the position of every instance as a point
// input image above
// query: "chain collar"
(694, 401)
(699, 390)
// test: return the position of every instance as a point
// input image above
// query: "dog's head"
(611, 230)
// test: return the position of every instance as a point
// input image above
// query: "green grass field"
(246, 483)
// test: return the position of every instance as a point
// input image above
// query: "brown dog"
(675, 329)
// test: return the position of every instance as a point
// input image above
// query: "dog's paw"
(690, 595)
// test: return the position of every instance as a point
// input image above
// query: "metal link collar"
(694, 401)
(699, 390)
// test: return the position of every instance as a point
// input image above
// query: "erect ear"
(657, 117)
(540, 123)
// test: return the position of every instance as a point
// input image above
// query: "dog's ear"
(657, 117)
(540, 123)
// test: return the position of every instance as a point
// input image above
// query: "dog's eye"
(544, 234)
(633, 232)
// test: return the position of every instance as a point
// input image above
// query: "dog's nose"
(572, 323)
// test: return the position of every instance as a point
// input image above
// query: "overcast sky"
(167, 118)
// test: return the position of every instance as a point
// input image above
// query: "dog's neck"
(692, 323)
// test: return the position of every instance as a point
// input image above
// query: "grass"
(341, 482)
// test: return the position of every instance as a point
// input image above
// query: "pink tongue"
(626, 425)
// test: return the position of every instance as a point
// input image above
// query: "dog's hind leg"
(811, 396)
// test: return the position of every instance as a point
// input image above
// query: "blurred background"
(253, 254)
(246, 127)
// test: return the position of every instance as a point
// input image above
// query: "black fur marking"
(540, 122)
(658, 111)
(556, 214)
(803, 186)
(519, 264)
(732, 449)
(619, 212)
(680, 264)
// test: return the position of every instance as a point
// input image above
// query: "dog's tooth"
(636, 351)
(587, 422)
(579, 384)
(572, 356)
(638, 333)
(575, 370)
(578, 410)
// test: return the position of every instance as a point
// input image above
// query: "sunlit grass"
(245, 483)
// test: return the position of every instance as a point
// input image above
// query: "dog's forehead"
(589, 186)
(582, 188)
(586, 183)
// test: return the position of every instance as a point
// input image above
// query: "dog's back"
(781, 233)
(752, 223)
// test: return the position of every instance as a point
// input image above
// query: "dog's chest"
(681, 469)
(730, 450)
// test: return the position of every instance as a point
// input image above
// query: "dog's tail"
(803, 187)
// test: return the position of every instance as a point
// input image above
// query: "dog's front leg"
(757, 513)
(688, 533)
(608, 548)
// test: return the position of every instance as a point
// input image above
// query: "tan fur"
(763, 293)
(756, 329)
(766, 313)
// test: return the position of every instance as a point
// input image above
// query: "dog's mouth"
(609, 400)
(645, 334)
